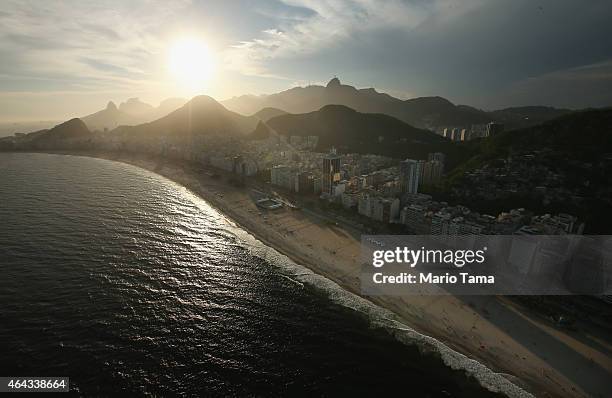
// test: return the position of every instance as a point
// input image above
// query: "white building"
(282, 176)
(339, 188)
(378, 208)
(385, 209)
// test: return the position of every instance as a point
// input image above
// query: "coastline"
(490, 329)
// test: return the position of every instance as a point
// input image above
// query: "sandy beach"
(509, 339)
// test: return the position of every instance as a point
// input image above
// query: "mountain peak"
(111, 106)
(204, 101)
(335, 82)
(202, 115)
(332, 108)
(72, 123)
(135, 106)
(72, 128)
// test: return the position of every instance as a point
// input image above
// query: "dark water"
(128, 283)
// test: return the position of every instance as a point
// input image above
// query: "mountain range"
(61, 136)
(200, 116)
(349, 128)
(355, 132)
(268, 113)
(423, 112)
(130, 113)
(576, 145)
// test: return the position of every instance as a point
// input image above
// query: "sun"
(191, 64)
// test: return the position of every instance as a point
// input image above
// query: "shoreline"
(461, 328)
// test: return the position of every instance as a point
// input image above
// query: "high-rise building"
(385, 209)
(312, 141)
(409, 172)
(454, 134)
(282, 176)
(416, 219)
(431, 172)
(439, 156)
(494, 128)
(378, 208)
(478, 131)
(304, 183)
(331, 172)
(363, 206)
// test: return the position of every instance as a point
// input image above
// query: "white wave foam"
(382, 318)
(378, 316)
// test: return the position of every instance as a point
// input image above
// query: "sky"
(64, 59)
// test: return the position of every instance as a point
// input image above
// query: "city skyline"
(306, 197)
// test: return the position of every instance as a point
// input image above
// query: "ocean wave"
(382, 318)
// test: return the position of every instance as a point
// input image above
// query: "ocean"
(128, 283)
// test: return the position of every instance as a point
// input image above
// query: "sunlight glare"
(191, 64)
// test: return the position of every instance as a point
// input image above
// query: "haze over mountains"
(268, 113)
(54, 138)
(353, 120)
(340, 126)
(10, 128)
(423, 112)
(200, 116)
(577, 146)
(129, 113)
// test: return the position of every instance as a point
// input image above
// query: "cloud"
(330, 23)
(102, 41)
(578, 87)
(484, 53)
